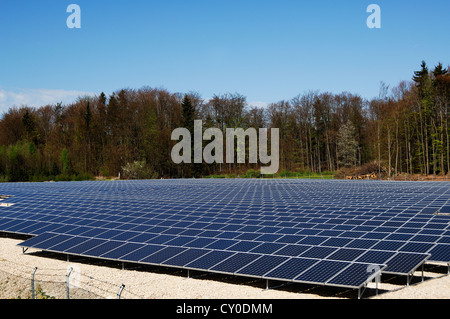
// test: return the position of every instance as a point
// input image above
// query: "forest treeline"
(406, 128)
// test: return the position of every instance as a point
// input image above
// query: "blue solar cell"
(87, 245)
(267, 248)
(102, 248)
(354, 276)
(445, 209)
(209, 233)
(162, 255)
(191, 232)
(290, 239)
(416, 247)
(161, 239)
(318, 252)
(20, 227)
(143, 238)
(140, 252)
(287, 231)
(186, 257)
(293, 250)
(221, 244)
(444, 240)
(310, 231)
(330, 233)
(124, 236)
(270, 238)
(228, 234)
(376, 256)
(173, 231)
(231, 227)
(262, 265)
(346, 254)
(200, 242)
(243, 246)
(440, 253)
(4, 221)
(235, 262)
(67, 244)
(388, 245)
(361, 243)
(248, 236)
(343, 227)
(179, 241)
(425, 238)
(313, 240)
(399, 237)
(436, 226)
(76, 230)
(336, 242)
(375, 235)
(322, 271)
(403, 263)
(37, 241)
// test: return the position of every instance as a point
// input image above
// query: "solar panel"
(405, 263)
(262, 265)
(322, 271)
(323, 232)
(291, 268)
(353, 276)
(209, 260)
(235, 262)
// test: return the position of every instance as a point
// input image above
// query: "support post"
(377, 280)
(120, 291)
(68, 283)
(33, 295)
(422, 271)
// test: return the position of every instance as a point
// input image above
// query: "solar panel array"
(322, 232)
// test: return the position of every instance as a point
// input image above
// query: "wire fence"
(18, 281)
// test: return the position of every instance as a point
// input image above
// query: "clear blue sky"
(265, 50)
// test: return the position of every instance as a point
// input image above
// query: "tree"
(65, 161)
(347, 145)
(30, 127)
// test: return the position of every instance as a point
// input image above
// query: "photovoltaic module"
(336, 233)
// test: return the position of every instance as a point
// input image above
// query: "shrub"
(139, 170)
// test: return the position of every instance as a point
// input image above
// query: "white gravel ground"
(104, 282)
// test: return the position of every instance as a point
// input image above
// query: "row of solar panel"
(429, 233)
(416, 205)
(306, 269)
(354, 218)
(294, 205)
(235, 210)
(433, 231)
(238, 219)
(219, 225)
(327, 196)
(164, 205)
(292, 245)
